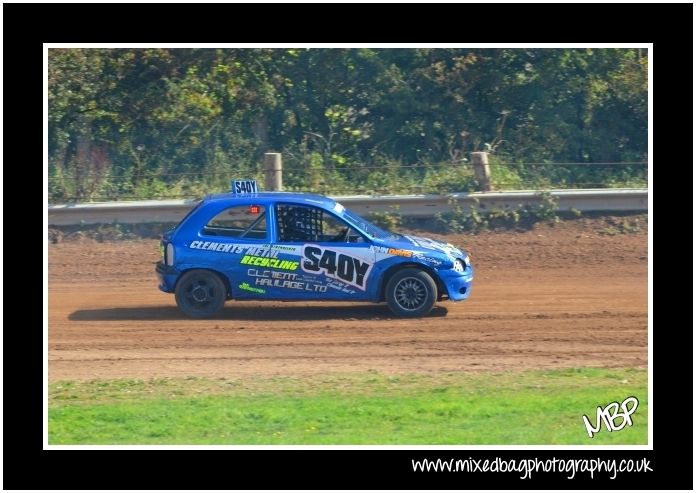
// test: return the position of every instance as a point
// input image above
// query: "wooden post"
(273, 171)
(482, 172)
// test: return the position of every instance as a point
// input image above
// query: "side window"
(242, 221)
(333, 228)
(300, 223)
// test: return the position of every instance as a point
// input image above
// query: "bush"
(473, 219)
(390, 220)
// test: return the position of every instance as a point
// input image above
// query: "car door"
(334, 260)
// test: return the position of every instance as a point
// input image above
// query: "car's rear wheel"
(411, 293)
(200, 293)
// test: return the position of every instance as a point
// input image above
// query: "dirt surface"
(552, 297)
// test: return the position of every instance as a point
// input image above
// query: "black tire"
(200, 293)
(411, 293)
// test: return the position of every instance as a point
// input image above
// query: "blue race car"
(297, 246)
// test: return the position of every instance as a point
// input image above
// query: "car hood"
(417, 243)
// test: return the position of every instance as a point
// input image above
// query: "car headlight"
(170, 254)
(458, 265)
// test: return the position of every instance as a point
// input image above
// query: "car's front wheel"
(411, 293)
(200, 293)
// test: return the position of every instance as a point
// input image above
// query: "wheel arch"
(441, 290)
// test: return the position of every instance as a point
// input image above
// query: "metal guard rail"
(171, 211)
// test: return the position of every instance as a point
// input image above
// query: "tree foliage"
(150, 122)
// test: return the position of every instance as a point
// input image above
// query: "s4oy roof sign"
(244, 186)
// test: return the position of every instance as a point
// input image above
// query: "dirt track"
(546, 298)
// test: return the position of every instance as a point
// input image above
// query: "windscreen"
(367, 226)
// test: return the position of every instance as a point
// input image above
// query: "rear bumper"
(166, 277)
(458, 284)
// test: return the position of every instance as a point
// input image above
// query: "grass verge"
(533, 407)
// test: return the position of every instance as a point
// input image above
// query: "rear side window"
(242, 221)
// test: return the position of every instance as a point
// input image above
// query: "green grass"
(535, 407)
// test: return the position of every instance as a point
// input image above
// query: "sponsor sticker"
(287, 280)
(336, 264)
(245, 286)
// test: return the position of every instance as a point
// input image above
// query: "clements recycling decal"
(264, 250)
(269, 262)
(336, 264)
(214, 246)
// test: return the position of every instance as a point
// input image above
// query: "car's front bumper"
(458, 284)
(167, 276)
